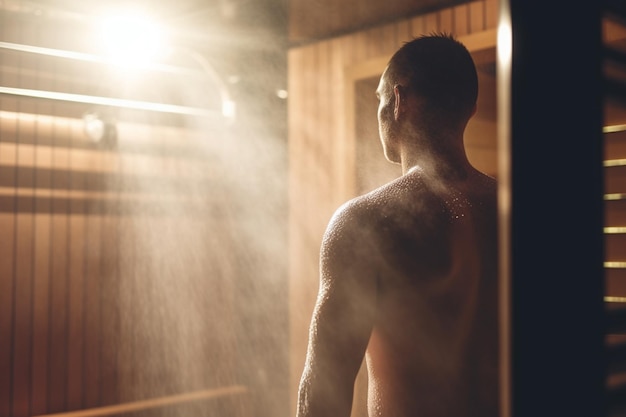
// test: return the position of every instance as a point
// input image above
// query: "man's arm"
(342, 320)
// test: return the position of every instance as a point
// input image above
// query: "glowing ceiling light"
(132, 40)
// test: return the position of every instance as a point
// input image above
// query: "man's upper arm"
(348, 283)
(343, 317)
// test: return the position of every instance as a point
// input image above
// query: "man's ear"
(399, 93)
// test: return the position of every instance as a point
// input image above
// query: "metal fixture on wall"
(140, 63)
(99, 130)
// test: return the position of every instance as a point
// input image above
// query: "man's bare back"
(408, 272)
(435, 329)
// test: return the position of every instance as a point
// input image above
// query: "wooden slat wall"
(322, 19)
(317, 151)
(615, 214)
(117, 265)
(613, 35)
(116, 279)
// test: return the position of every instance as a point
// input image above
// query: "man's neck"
(449, 163)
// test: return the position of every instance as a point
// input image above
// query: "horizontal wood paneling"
(616, 282)
(615, 208)
(614, 213)
(322, 160)
(615, 179)
(615, 246)
(614, 141)
(615, 145)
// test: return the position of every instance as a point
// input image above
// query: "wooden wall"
(311, 21)
(126, 272)
(324, 136)
(115, 271)
(614, 35)
(615, 210)
(321, 175)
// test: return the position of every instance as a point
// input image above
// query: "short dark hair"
(440, 69)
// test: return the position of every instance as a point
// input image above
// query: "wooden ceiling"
(287, 22)
(311, 20)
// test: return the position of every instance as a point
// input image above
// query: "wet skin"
(408, 279)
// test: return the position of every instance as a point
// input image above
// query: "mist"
(149, 263)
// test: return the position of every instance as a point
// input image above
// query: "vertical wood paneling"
(92, 289)
(109, 302)
(477, 16)
(321, 19)
(76, 262)
(390, 40)
(296, 248)
(308, 221)
(360, 45)
(319, 132)
(403, 31)
(92, 329)
(41, 274)
(8, 292)
(303, 210)
(7, 254)
(431, 23)
(418, 26)
(375, 41)
(461, 19)
(340, 49)
(446, 21)
(57, 384)
(37, 254)
(129, 299)
(7, 251)
(323, 134)
(91, 312)
(491, 13)
(24, 241)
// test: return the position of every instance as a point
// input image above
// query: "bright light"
(229, 109)
(504, 43)
(94, 127)
(132, 40)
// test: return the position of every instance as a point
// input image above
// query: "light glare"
(229, 109)
(132, 40)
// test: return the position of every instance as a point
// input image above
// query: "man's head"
(437, 76)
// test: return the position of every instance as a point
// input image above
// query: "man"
(409, 271)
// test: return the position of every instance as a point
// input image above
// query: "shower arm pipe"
(110, 101)
(228, 105)
(152, 403)
(80, 56)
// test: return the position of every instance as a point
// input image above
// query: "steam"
(202, 274)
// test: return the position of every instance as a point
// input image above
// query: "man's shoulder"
(388, 201)
(369, 206)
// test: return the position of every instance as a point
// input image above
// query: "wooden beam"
(153, 403)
